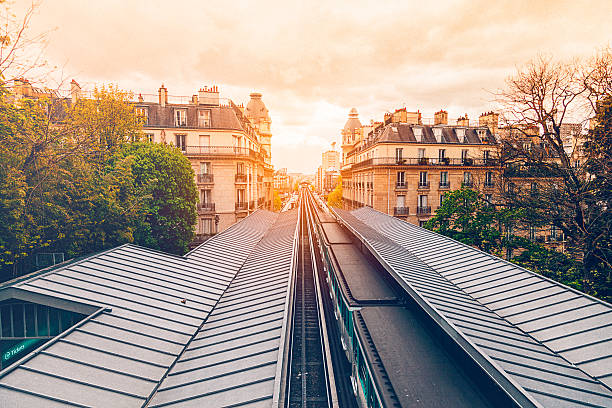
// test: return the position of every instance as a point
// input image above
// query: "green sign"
(18, 348)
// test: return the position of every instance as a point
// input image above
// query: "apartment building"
(404, 168)
(228, 147)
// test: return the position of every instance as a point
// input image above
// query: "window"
(204, 140)
(422, 223)
(206, 226)
(511, 187)
(423, 178)
(485, 155)
(398, 154)
(418, 134)
(204, 118)
(461, 135)
(421, 153)
(240, 196)
(142, 113)
(240, 168)
(488, 199)
(467, 178)
(532, 233)
(205, 196)
(205, 168)
(464, 155)
(444, 179)
(438, 134)
(401, 201)
(149, 137)
(401, 178)
(441, 154)
(441, 199)
(422, 201)
(482, 133)
(181, 141)
(489, 179)
(180, 117)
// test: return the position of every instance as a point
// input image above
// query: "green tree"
(468, 218)
(168, 208)
(334, 199)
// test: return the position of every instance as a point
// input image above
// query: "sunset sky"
(313, 61)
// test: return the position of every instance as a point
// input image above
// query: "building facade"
(228, 148)
(404, 168)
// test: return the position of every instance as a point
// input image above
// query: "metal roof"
(232, 359)
(513, 324)
(151, 305)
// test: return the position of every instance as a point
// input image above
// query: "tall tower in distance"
(257, 113)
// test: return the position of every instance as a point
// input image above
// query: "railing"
(468, 183)
(445, 184)
(206, 207)
(222, 151)
(423, 210)
(242, 206)
(259, 179)
(241, 178)
(205, 178)
(423, 184)
(400, 211)
(424, 161)
(489, 184)
(400, 186)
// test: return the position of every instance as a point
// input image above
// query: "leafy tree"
(467, 217)
(168, 207)
(278, 203)
(334, 199)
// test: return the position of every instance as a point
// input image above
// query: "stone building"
(403, 168)
(228, 147)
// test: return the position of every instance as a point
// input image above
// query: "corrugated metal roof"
(232, 360)
(470, 289)
(118, 357)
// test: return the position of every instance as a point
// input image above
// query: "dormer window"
(482, 134)
(180, 117)
(204, 118)
(418, 134)
(438, 134)
(142, 113)
(461, 135)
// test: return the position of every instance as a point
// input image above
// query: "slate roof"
(551, 340)
(221, 117)
(404, 133)
(119, 356)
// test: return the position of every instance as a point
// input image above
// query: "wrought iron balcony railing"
(423, 210)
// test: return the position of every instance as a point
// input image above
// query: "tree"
(334, 199)
(543, 96)
(169, 196)
(468, 218)
(277, 201)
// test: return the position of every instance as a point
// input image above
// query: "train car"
(397, 358)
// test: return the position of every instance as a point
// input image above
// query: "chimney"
(208, 96)
(194, 99)
(441, 118)
(75, 91)
(463, 120)
(490, 120)
(163, 96)
(140, 98)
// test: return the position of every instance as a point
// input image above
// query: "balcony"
(444, 184)
(206, 207)
(259, 179)
(400, 186)
(400, 211)
(242, 206)
(423, 210)
(423, 185)
(205, 178)
(424, 161)
(467, 183)
(489, 184)
(241, 178)
(222, 151)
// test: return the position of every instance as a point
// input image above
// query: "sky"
(313, 61)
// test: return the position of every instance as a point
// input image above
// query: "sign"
(18, 349)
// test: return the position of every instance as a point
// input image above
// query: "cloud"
(313, 61)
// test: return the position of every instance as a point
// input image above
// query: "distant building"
(282, 182)
(329, 171)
